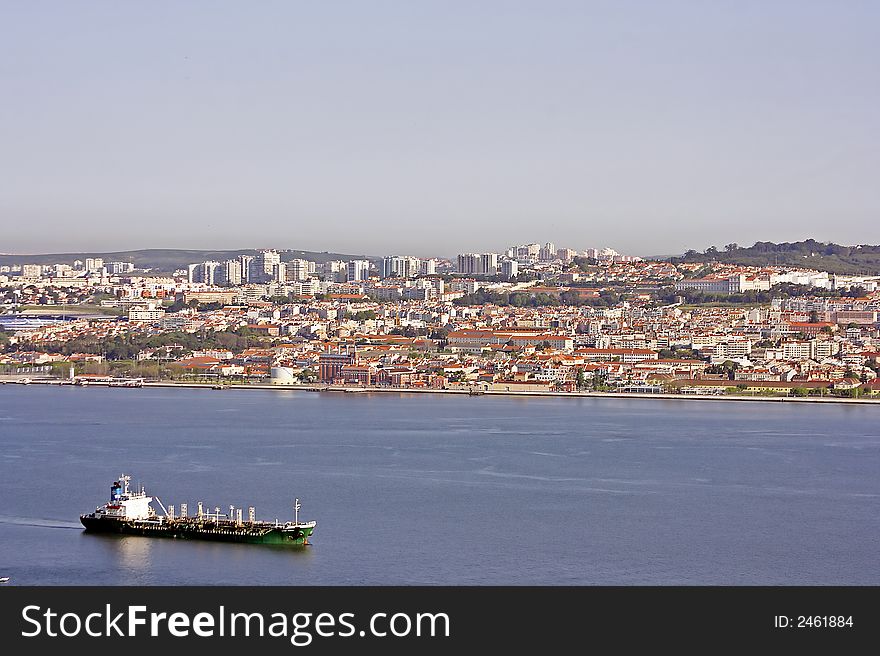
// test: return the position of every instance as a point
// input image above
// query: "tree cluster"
(809, 253)
(126, 347)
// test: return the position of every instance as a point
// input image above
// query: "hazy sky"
(434, 127)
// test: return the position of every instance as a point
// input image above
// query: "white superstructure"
(125, 503)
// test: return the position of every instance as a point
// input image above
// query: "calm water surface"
(434, 489)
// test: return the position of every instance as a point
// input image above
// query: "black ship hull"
(255, 533)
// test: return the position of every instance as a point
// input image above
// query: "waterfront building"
(330, 364)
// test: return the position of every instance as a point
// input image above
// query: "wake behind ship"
(129, 512)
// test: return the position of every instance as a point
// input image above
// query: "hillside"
(834, 258)
(169, 259)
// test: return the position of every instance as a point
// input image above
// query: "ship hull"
(194, 530)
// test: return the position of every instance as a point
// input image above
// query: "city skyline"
(499, 249)
(650, 129)
(416, 252)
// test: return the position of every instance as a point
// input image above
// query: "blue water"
(437, 489)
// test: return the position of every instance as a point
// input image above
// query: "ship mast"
(296, 508)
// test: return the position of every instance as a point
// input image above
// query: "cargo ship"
(129, 512)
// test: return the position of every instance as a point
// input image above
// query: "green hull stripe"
(273, 535)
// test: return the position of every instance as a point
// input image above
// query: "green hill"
(169, 259)
(811, 254)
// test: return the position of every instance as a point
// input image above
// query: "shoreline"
(464, 392)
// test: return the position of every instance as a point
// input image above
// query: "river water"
(445, 489)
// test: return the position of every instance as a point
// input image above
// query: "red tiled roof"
(614, 350)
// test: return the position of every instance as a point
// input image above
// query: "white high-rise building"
(601, 253)
(489, 264)
(400, 266)
(358, 270)
(229, 273)
(94, 263)
(116, 268)
(478, 264)
(429, 267)
(335, 271)
(468, 263)
(279, 272)
(509, 268)
(548, 252)
(264, 267)
(565, 254)
(526, 251)
(244, 262)
(204, 272)
(298, 270)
